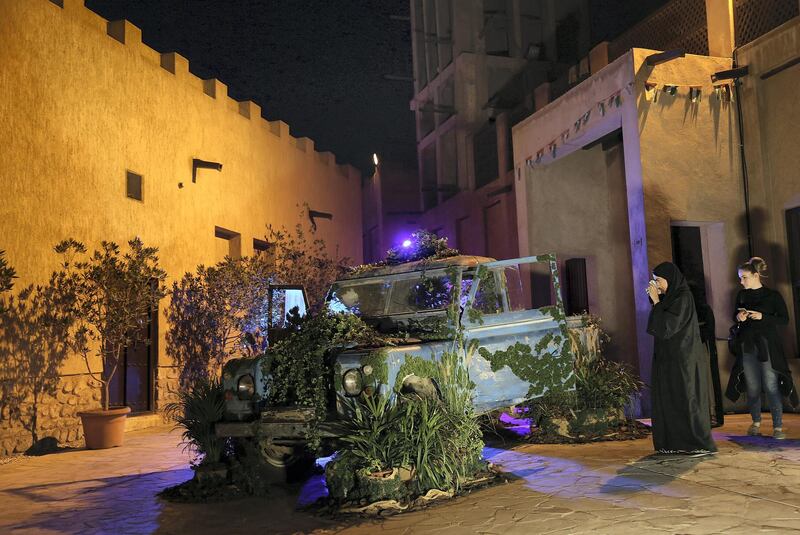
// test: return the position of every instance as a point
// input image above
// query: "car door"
(515, 317)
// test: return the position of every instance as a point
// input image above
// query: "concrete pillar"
(598, 57)
(501, 131)
(721, 35)
(515, 20)
(541, 95)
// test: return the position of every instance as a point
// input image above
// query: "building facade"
(464, 53)
(642, 163)
(106, 139)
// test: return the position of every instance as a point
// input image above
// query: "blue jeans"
(757, 373)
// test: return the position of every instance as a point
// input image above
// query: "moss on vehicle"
(543, 367)
(414, 365)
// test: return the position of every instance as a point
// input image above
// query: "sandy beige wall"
(771, 111)
(577, 207)
(78, 108)
(691, 174)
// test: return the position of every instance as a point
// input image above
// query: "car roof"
(465, 261)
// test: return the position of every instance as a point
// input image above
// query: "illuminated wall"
(83, 102)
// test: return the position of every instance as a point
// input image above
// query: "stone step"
(143, 421)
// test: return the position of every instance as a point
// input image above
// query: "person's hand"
(652, 291)
(753, 315)
(742, 315)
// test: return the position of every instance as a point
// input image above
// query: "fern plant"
(196, 412)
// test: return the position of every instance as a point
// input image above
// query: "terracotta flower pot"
(104, 429)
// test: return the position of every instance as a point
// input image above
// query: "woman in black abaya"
(681, 422)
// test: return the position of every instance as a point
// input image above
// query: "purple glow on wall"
(406, 243)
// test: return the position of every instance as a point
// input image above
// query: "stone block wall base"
(58, 414)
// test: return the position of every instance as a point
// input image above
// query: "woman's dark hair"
(755, 265)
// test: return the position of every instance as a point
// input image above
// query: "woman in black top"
(681, 420)
(760, 360)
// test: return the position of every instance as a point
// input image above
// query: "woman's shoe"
(778, 434)
(754, 430)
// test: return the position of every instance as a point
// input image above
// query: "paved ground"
(752, 486)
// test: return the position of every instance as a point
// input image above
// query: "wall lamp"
(663, 57)
(313, 214)
(203, 164)
(731, 74)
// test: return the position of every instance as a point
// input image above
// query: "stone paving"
(751, 486)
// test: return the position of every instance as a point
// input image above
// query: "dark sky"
(318, 65)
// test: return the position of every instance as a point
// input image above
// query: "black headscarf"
(676, 282)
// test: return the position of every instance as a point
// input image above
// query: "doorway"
(133, 384)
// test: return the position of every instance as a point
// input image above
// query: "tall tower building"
(464, 53)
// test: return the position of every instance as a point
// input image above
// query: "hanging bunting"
(552, 148)
(564, 136)
(722, 92)
(577, 125)
(629, 88)
(586, 116)
(671, 90)
(694, 93)
(602, 107)
(539, 155)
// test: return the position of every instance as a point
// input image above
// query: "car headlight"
(353, 382)
(246, 387)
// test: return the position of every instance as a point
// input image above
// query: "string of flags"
(602, 107)
(721, 92)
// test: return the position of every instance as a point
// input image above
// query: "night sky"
(318, 65)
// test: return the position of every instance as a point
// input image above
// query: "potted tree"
(114, 295)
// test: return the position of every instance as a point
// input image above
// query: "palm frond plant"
(437, 440)
(196, 412)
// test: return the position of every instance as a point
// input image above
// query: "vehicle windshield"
(362, 297)
(408, 293)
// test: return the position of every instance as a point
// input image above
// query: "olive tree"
(301, 257)
(114, 295)
(216, 313)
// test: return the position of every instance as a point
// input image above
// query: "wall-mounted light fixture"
(314, 214)
(731, 74)
(663, 57)
(203, 164)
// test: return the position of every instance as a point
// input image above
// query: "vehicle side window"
(283, 300)
(513, 287)
(529, 286)
(489, 297)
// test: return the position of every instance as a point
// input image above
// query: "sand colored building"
(105, 138)
(642, 163)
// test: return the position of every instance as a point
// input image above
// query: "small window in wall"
(229, 243)
(262, 248)
(576, 300)
(133, 186)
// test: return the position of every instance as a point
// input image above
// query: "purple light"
(406, 243)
